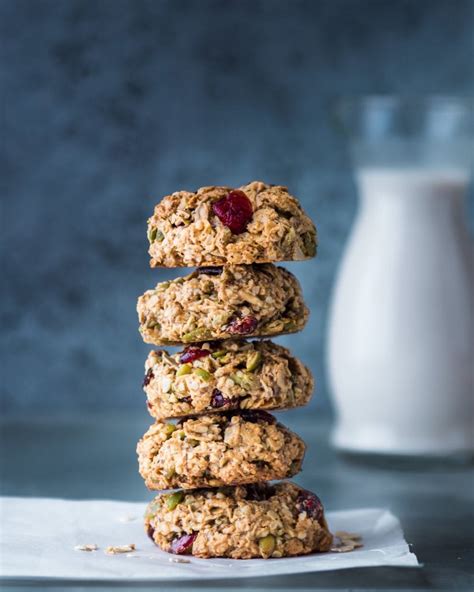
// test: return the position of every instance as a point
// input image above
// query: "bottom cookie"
(258, 520)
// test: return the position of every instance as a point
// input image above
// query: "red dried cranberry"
(242, 326)
(234, 210)
(192, 353)
(183, 544)
(311, 504)
(210, 270)
(150, 531)
(256, 415)
(218, 399)
(148, 377)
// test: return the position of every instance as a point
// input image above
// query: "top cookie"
(257, 223)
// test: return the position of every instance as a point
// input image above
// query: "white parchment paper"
(38, 537)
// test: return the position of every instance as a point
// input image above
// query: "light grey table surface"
(94, 457)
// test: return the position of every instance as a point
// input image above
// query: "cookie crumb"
(178, 560)
(88, 548)
(127, 518)
(342, 534)
(111, 550)
(344, 542)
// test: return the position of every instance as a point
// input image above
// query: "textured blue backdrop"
(111, 104)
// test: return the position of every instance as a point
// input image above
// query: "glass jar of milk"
(400, 350)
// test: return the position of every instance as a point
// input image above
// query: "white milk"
(401, 324)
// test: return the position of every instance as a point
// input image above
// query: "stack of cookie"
(223, 446)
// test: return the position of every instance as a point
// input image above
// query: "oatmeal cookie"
(219, 449)
(222, 302)
(218, 376)
(257, 223)
(259, 520)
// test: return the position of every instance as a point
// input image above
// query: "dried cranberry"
(218, 399)
(256, 415)
(234, 210)
(148, 377)
(183, 544)
(242, 326)
(210, 270)
(192, 353)
(311, 504)
(150, 531)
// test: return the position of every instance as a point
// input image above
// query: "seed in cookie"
(258, 520)
(239, 374)
(215, 226)
(250, 300)
(219, 449)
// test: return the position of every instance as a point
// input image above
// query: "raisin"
(256, 416)
(218, 399)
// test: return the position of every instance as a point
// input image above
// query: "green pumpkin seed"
(294, 467)
(290, 237)
(170, 473)
(274, 326)
(204, 374)
(289, 326)
(173, 499)
(184, 369)
(199, 334)
(309, 245)
(267, 545)
(221, 319)
(219, 354)
(162, 286)
(207, 287)
(169, 429)
(243, 379)
(151, 510)
(151, 234)
(254, 360)
(193, 442)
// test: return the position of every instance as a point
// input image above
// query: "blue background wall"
(108, 105)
